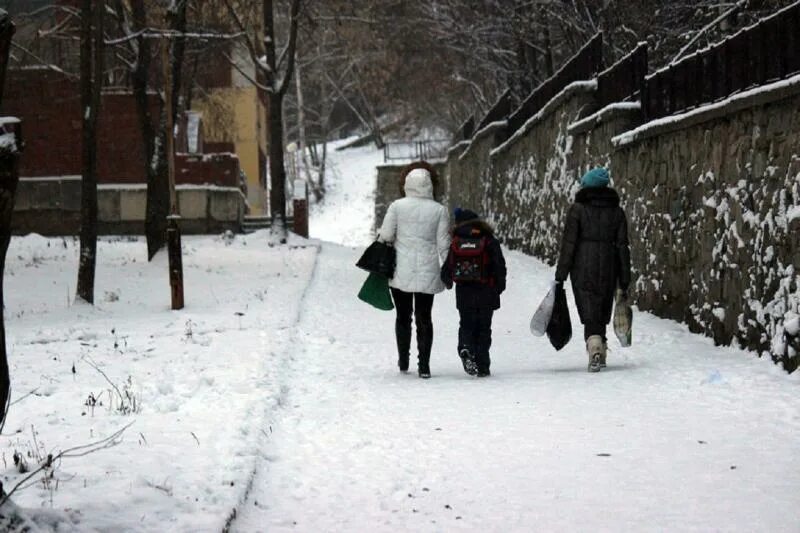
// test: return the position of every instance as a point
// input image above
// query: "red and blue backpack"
(469, 260)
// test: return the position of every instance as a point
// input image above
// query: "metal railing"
(625, 79)
(499, 111)
(416, 150)
(767, 51)
(582, 66)
(466, 130)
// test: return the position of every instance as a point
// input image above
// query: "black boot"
(468, 361)
(424, 344)
(402, 332)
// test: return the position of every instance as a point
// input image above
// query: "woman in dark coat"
(596, 256)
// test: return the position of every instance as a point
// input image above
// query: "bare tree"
(314, 101)
(276, 87)
(157, 206)
(134, 48)
(440, 61)
(273, 75)
(92, 65)
(158, 203)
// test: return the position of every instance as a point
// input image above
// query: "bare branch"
(77, 451)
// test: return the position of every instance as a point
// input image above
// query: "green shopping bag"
(375, 292)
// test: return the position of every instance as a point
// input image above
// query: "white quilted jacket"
(418, 227)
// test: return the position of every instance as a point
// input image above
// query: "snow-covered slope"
(347, 213)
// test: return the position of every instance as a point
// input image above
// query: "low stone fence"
(51, 206)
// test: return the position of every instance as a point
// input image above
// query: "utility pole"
(173, 231)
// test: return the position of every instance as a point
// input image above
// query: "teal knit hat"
(597, 177)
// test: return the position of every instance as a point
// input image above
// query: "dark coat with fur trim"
(595, 252)
(478, 295)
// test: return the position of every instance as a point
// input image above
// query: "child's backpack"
(469, 260)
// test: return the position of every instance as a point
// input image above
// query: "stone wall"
(467, 165)
(52, 207)
(713, 199)
(714, 202)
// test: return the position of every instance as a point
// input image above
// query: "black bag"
(378, 258)
(559, 329)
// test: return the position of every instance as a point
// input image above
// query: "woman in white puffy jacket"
(418, 226)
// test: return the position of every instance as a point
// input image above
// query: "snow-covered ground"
(200, 381)
(676, 435)
(275, 392)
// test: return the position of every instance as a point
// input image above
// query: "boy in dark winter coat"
(596, 256)
(476, 265)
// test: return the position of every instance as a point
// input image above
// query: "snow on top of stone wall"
(602, 114)
(481, 133)
(574, 87)
(458, 146)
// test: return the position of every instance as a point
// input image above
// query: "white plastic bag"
(623, 319)
(541, 318)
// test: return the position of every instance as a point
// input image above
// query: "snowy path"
(676, 435)
(347, 212)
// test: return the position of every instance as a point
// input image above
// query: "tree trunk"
(373, 120)
(277, 171)
(157, 209)
(157, 185)
(548, 46)
(302, 141)
(9, 177)
(91, 87)
(274, 96)
(178, 22)
(323, 162)
(325, 123)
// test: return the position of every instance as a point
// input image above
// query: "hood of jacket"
(598, 197)
(419, 184)
(473, 228)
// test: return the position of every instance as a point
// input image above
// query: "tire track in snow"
(284, 356)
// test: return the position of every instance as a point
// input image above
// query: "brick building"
(48, 103)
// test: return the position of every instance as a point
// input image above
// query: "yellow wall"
(235, 115)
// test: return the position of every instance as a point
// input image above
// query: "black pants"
(594, 329)
(420, 305)
(475, 334)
